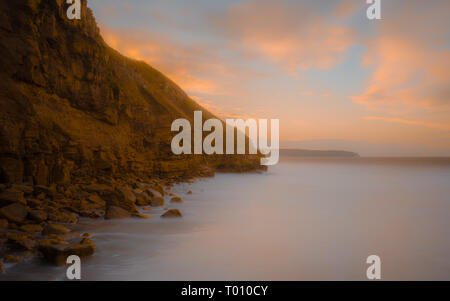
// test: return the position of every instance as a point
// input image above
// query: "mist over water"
(305, 219)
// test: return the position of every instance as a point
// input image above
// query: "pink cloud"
(411, 59)
(291, 35)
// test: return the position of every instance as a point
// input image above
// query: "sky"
(334, 78)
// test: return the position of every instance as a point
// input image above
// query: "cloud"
(346, 8)
(411, 59)
(292, 35)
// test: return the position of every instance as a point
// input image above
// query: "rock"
(86, 235)
(11, 196)
(15, 213)
(114, 212)
(95, 199)
(26, 189)
(128, 195)
(11, 259)
(21, 241)
(189, 192)
(147, 209)
(94, 213)
(121, 197)
(58, 253)
(172, 214)
(63, 217)
(34, 203)
(2, 268)
(177, 199)
(31, 228)
(141, 201)
(38, 215)
(3, 224)
(55, 229)
(143, 216)
(156, 198)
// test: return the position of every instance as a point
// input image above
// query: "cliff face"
(70, 106)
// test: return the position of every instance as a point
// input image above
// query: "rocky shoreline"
(36, 221)
(84, 132)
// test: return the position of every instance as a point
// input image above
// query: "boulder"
(11, 259)
(121, 197)
(15, 213)
(156, 198)
(114, 212)
(177, 199)
(21, 241)
(55, 229)
(11, 196)
(173, 213)
(2, 268)
(31, 228)
(38, 215)
(63, 217)
(189, 192)
(58, 253)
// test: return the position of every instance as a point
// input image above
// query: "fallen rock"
(156, 198)
(2, 268)
(86, 235)
(172, 214)
(189, 192)
(114, 212)
(58, 254)
(55, 229)
(38, 215)
(11, 196)
(177, 199)
(31, 228)
(15, 213)
(11, 259)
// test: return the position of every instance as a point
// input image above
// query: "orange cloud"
(411, 58)
(289, 34)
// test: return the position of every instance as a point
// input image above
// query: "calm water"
(305, 219)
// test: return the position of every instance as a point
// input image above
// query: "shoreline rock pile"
(36, 220)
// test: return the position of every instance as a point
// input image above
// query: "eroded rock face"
(71, 106)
